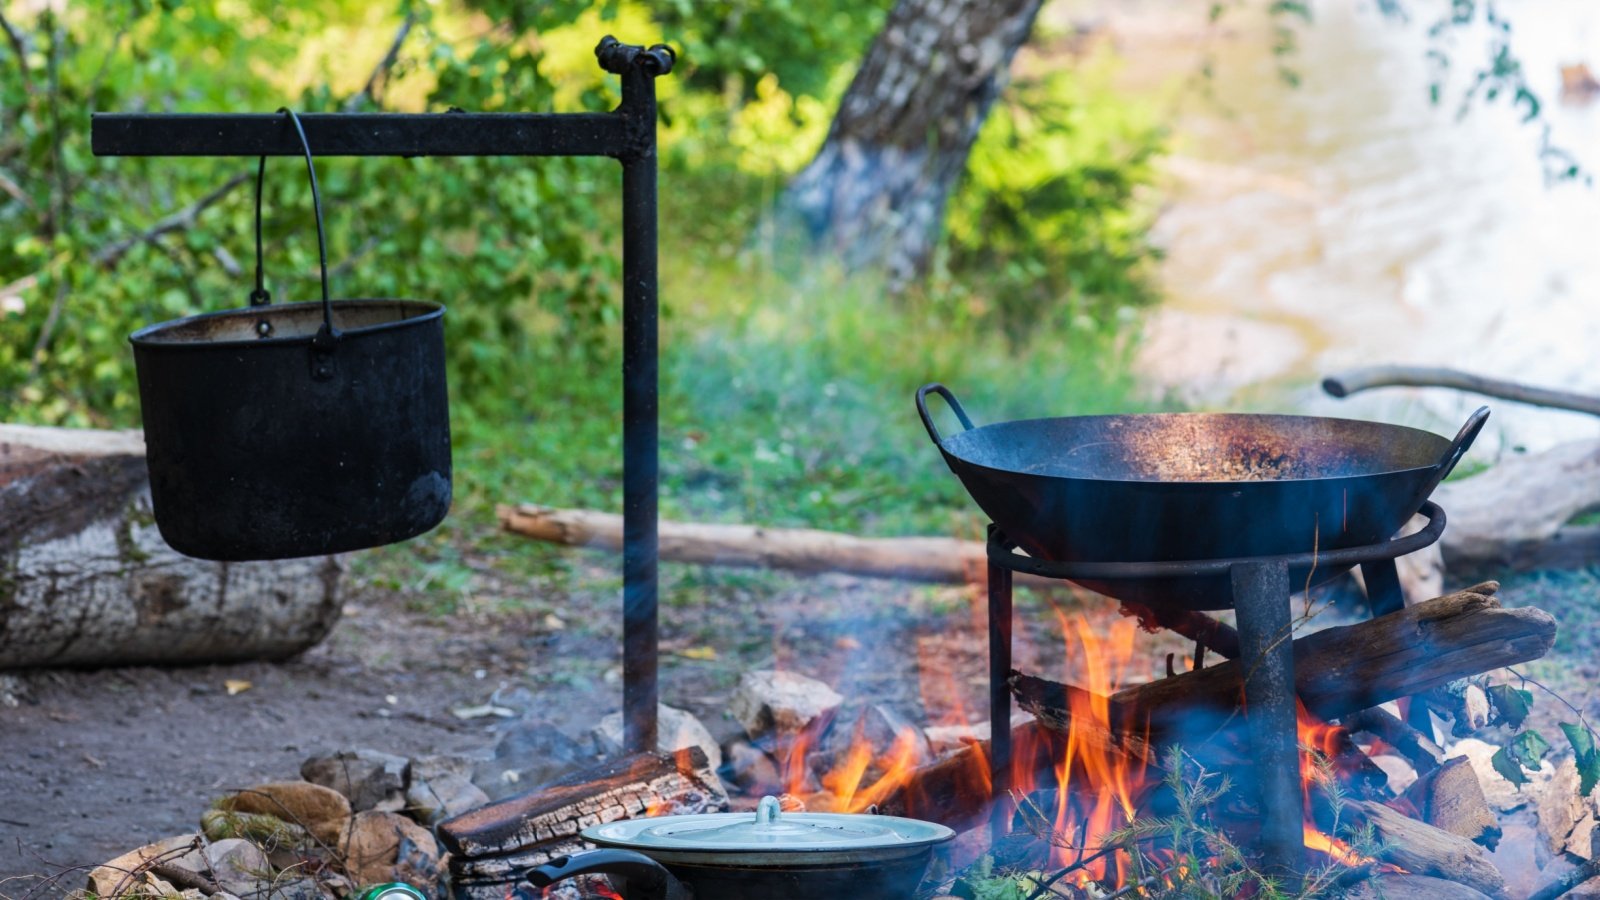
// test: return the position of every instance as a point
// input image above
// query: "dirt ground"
(94, 763)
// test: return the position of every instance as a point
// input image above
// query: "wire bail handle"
(327, 336)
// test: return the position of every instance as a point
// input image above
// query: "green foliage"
(1523, 752)
(786, 396)
(1049, 226)
(515, 250)
(1585, 754)
(731, 45)
(1513, 704)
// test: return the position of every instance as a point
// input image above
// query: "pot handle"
(927, 420)
(1457, 449)
(328, 335)
(645, 878)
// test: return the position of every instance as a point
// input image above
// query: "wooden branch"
(929, 559)
(19, 46)
(182, 219)
(1422, 849)
(1344, 384)
(1339, 671)
(1418, 749)
(381, 70)
(1196, 626)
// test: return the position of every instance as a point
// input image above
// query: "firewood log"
(1418, 749)
(624, 788)
(85, 578)
(1451, 798)
(1422, 849)
(1339, 671)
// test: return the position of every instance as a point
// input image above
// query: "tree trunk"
(85, 578)
(876, 191)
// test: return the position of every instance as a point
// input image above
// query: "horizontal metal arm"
(366, 134)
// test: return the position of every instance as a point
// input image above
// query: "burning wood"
(1347, 669)
(492, 845)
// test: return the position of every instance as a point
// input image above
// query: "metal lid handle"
(927, 420)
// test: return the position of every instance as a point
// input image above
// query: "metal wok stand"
(626, 134)
(1261, 592)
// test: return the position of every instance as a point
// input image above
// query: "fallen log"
(1515, 515)
(1508, 514)
(85, 578)
(1422, 849)
(939, 560)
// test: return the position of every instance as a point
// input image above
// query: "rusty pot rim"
(157, 336)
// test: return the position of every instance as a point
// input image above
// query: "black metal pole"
(999, 696)
(1261, 596)
(640, 462)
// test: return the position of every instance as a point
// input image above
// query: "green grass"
(786, 400)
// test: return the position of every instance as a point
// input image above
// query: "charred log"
(546, 820)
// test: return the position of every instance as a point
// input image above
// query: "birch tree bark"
(875, 193)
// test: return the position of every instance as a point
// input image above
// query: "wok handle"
(1458, 448)
(927, 420)
(644, 878)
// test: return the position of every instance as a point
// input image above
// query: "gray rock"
(370, 778)
(530, 753)
(442, 796)
(880, 727)
(675, 730)
(427, 768)
(780, 702)
(751, 769)
(238, 866)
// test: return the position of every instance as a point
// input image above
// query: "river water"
(1350, 222)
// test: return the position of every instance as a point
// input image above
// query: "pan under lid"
(769, 829)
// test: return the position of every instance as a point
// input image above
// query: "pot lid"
(769, 829)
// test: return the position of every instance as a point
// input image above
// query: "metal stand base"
(1261, 591)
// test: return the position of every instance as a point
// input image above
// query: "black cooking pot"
(299, 429)
(1173, 487)
(733, 856)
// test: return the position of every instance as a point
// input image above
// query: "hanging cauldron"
(298, 429)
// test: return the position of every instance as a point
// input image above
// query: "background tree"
(876, 190)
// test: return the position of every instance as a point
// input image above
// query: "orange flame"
(1324, 739)
(1096, 782)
